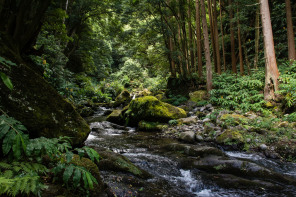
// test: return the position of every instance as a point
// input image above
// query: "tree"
(233, 57)
(271, 70)
(206, 45)
(291, 42)
(198, 38)
(257, 36)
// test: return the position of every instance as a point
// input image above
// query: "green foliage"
(4, 77)
(176, 100)
(173, 122)
(75, 173)
(239, 92)
(24, 177)
(12, 137)
(288, 83)
(21, 178)
(290, 117)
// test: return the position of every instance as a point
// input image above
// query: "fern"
(76, 174)
(21, 178)
(12, 135)
(3, 76)
(91, 153)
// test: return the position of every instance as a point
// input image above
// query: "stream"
(177, 174)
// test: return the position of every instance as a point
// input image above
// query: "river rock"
(283, 124)
(230, 136)
(189, 120)
(122, 99)
(263, 146)
(150, 126)
(150, 109)
(115, 162)
(116, 117)
(40, 108)
(188, 136)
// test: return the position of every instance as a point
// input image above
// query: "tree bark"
(192, 61)
(257, 36)
(198, 38)
(290, 32)
(210, 12)
(222, 36)
(206, 46)
(271, 69)
(241, 61)
(233, 57)
(215, 26)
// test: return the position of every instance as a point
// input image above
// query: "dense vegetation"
(90, 51)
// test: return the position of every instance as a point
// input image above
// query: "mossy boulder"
(229, 137)
(122, 99)
(150, 126)
(232, 119)
(198, 96)
(41, 109)
(116, 117)
(115, 162)
(149, 108)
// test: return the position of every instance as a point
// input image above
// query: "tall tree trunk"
(198, 38)
(206, 46)
(257, 36)
(192, 61)
(210, 12)
(222, 36)
(233, 57)
(271, 69)
(171, 58)
(241, 61)
(215, 26)
(291, 41)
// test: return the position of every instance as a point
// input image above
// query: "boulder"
(115, 162)
(123, 98)
(188, 136)
(149, 108)
(40, 108)
(230, 137)
(116, 117)
(188, 120)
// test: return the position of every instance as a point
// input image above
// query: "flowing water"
(169, 179)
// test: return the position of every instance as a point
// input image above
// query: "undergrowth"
(22, 166)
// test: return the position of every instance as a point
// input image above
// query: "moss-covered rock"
(116, 117)
(115, 162)
(230, 136)
(36, 104)
(150, 126)
(198, 96)
(149, 108)
(122, 99)
(232, 119)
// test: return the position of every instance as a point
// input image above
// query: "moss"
(230, 136)
(116, 117)
(122, 99)
(150, 126)
(198, 96)
(149, 108)
(39, 107)
(233, 119)
(118, 163)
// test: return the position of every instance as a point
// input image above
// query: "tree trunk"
(198, 38)
(172, 62)
(210, 12)
(241, 61)
(215, 26)
(233, 57)
(271, 70)
(246, 56)
(206, 46)
(257, 36)
(291, 41)
(192, 61)
(222, 34)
